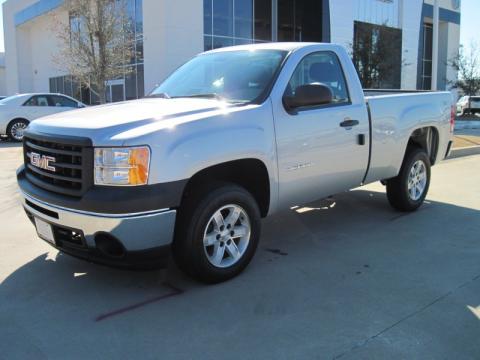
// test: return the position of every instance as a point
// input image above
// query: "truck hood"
(115, 123)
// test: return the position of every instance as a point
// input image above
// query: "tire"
(15, 129)
(415, 171)
(198, 223)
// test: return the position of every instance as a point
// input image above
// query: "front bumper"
(142, 239)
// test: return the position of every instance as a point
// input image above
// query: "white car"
(17, 111)
(468, 105)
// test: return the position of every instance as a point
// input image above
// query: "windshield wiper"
(160, 95)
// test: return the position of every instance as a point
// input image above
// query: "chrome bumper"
(136, 232)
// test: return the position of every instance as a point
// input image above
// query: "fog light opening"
(109, 245)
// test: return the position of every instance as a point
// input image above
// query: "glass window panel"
(92, 95)
(59, 81)
(223, 17)
(286, 20)
(244, 19)
(263, 20)
(377, 55)
(139, 52)
(77, 92)
(427, 83)
(139, 16)
(242, 41)
(427, 68)
(207, 43)
(140, 82)
(428, 42)
(68, 86)
(219, 42)
(308, 20)
(130, 13)
(131, 85)
(207, 17)
(52, 85)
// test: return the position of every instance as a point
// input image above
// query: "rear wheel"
(408, 190)
(217, 233)
(16, 129)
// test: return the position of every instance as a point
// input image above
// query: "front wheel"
(217, 233)
(16, 129)
(408, 190)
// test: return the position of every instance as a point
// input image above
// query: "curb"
(464, 151)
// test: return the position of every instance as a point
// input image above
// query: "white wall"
(44, 49)
(342, 15)
(173, 33)
(30, 49)
(452, 50)
(3, 82)
(411, 22)
(378, 12)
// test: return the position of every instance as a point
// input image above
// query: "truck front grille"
(61, 165)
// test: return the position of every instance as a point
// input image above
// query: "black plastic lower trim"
(111, 199)
(154, 258)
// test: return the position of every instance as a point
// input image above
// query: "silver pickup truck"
(230, 137)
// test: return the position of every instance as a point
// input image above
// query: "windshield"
(241, 76)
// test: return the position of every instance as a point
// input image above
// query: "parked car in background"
(17, 111)
(468, 105)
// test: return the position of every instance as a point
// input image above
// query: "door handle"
(348, 123)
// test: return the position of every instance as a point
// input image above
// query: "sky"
(469, 27)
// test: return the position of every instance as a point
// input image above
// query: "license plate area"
(44, 230)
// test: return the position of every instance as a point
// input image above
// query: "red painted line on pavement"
(175, 291)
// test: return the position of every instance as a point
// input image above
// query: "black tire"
(397, 188)
(193, 220)
(11, 126)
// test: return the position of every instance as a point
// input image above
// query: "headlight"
(122, 166)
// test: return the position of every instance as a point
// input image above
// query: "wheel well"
(427, 139)
(18, 118)
(251, 174)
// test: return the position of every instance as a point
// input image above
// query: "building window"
(236, 22)
(427, 56)
(130, 86)
(300, 20)
(377, 55)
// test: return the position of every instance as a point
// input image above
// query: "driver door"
(318, 155)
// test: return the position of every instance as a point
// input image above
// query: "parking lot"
(346, 277)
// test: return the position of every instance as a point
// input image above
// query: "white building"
(3, 79)
(171, 31)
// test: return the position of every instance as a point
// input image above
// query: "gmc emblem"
(42, 161)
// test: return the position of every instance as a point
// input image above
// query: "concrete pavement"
(346, 277)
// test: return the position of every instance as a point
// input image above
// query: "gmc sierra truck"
(230, 137)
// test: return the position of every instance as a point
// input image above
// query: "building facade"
(3, 74)
(169, 32)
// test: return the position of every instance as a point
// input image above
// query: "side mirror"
(309, 95)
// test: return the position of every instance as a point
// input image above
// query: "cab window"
(320, 68)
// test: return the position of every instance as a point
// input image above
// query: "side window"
(38, 100)
(62, 101)
(324, 68)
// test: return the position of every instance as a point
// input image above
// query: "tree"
(467, 64)
(97, 42)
